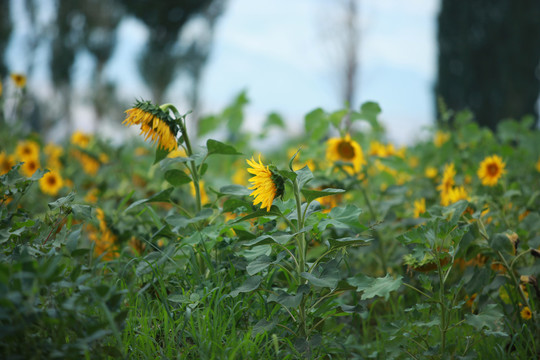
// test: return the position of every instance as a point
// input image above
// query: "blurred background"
(87, 61)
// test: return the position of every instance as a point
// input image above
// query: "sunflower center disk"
(345, 150)
(492, 169)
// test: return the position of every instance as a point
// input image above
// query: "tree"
(489, 52)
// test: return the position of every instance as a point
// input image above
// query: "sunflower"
(27, 149)
(51, 182)
(346, 150)
(155, 124)
(457, 193)
(19, 80)
(266, 183)
(448, 178)
(431, 172)
(1, 89)
(30, 166)
(491, 170)
(80, 139)
(440, 138)
(89, 163)
(105, 243)
(419, 207)
(6, 163)
(538, 165)
(526, 313)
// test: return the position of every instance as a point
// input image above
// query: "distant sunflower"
(6, 163)
(419, 207)
(266, 184)
(27, 149)
(347, 150)
(431, 172)
(80, 139)
(526, 313)
(155, 124)
(89, 163)
(448, 178)
(491, 169)
(19, 80)
(440, 138)
(1, 89)
(458, 193)
(538, 165)
(51, 183)
(30, 166)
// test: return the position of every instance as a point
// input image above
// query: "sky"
(282, 53)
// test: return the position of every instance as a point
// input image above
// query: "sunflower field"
(335, 245)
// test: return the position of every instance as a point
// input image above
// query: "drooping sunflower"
(347, 150)
(51, 183)
(19, 80)
(155, 124)
(266, 183)
(491, 169)
(27, 149)
(6, 163)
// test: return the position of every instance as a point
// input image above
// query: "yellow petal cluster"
(347, 150)
(491, 169)
(51, 183)
(263, 186)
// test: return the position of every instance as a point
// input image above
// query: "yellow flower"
(346, 150)
(155, 124)
(89, 164)
(30, 166)
(266, 184)
(51, 183)
(180, 152)
(19, 80)
(447, 183)
(105, 243)
(1, 89)
(239, 176)
(6, 163)
(91, 196)
(204, 195)
(440, 138)
(457, 193)
(379, 149)
(419, 207)
(526, 313)
(27, 149)
(53, 153)
(413, 161)
(80, 139)
(491, 170)
(431, 172)
(538, 165)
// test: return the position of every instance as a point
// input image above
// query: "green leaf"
(235, 190)
(278, 238)
(180, 222)
(316, 124)
(259, 264)
(369, 111)
(337, 116)
(82, 212)
(234, 114)
(274, 211)
(177, 177)
(287, 300)
(160, 154)
(343, 218)
(263, 326)
(311, 195)
(208, 124)
(501, 242)
(348, 241)
(329, 281)
(487, 318)
(292, 160)
(375, 286)
(162, 196)
(304, 176)
(217, 147)
(62, 201)
(252, 283)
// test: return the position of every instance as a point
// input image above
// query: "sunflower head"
(491, 169)
(155, 124)
(447, 179)
(526, 313)
(19, 80)
(80, 139)
(30, 166)
(51, 183)
(347, 150)
(6, 163)
(27, 149)
(267, 183)
(419, 207)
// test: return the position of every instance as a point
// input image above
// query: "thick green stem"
(301, 255)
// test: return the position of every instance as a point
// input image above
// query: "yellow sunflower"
(526, 313)
(30, 166)
(419, 207)
(27, 149)
(538, 165)
(6, 163)
(1, 89)
(346, 150)
(491, 170)
(155, 124)
(105, 243)
(19, 80)
(457, 193)
(448, 178)
(266, 184)
(431, 172)
(89, 164)
(440, 138)
(80, 139)
(51, 183)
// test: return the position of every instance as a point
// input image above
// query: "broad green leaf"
(82, 212)
(487, 318)
(348, 241)
(311, 195)
(274, 211)
(177, 177)
(328, 280)
(252, 283)
(287, 300)
(342, 217)
(304, 176)
(375, 286)
(62, 201)
(236, 190)
(162, 196)
(259, 264)
(316, 124)
(208, 124)
(263, 326)
(160, 154)
(501, 242)
(274, 119)
(337, 116)
(217, 147)
(180, 222)
(278, 238)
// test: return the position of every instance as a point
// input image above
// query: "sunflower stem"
(193, 167)
(301, 241)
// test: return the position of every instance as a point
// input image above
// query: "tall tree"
(5, 32)
(489, 53)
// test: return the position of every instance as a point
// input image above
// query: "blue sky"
(282, 53)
